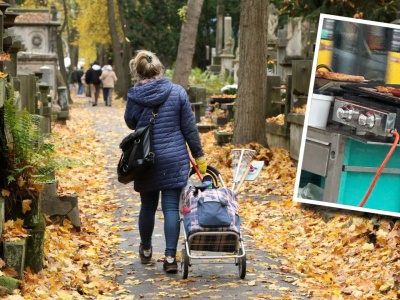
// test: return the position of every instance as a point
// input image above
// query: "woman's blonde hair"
(146, 65)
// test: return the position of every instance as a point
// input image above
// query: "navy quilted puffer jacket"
(174, 127)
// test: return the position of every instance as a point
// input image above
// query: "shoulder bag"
(137, 152)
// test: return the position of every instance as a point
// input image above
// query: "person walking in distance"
(73, 80)
(81, 87)
(92, 79)
(108, 79)
(174, 132)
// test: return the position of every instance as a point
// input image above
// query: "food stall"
(353, 159)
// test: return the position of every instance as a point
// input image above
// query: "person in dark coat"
(73, 80)
(92, 79)
(175, 130)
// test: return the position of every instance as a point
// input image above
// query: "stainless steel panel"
(316, 157)
(365, 118)
(361, 169)
(323, 155)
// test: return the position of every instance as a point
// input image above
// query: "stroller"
(210, 219)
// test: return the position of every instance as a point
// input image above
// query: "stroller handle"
(192, 161)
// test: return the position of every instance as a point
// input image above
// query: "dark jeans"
(107, 95)
(170, 208)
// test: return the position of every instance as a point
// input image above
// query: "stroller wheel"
(242, 265)
(185, 264)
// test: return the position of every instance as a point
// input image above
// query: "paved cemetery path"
(208, 280)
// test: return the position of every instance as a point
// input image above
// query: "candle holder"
(3, 7)
(9, 19)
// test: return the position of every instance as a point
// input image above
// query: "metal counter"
(347, 164)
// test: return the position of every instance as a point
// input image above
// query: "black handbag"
(137, 153)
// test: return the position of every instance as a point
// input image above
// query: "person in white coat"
(108, 79)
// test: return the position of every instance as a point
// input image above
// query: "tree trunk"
(127, 51)
(116, 49)
(73, 49)
(249, 120)
(187, 43)
(60, 51)
(126, 57)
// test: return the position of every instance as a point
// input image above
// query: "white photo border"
(305, 126)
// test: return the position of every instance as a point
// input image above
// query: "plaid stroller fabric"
(222, 207)
(215, 243)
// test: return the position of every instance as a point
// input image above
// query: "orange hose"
(378, 173)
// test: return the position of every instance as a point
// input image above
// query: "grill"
(369, 90)
(366, 110)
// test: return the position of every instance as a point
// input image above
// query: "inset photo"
(349, 156)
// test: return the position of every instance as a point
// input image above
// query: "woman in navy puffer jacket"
(174, 126)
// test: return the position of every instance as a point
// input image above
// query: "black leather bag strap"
(152, 122)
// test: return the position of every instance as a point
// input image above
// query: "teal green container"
(354, 185)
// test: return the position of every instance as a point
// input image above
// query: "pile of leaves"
(337, 255)
(280, 119)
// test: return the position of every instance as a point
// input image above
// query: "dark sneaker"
(170, 264)
(145, 255)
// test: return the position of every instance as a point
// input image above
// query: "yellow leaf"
(26, 205)
(18, 222)
(252, 283)
(327, 278)
(384, 288)
(368, 246)
(5, 193)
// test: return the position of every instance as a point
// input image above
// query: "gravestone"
(63, 115)
(63, 98)
(47, 63)
(272, 24)
(28, 91)
(215, 66)
(227, 53)
(220, 20)
(46, 74)
(37, 31)
(272, 32)
(46, 111)
(294, 45)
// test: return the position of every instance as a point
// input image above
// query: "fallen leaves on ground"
(332, 254)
